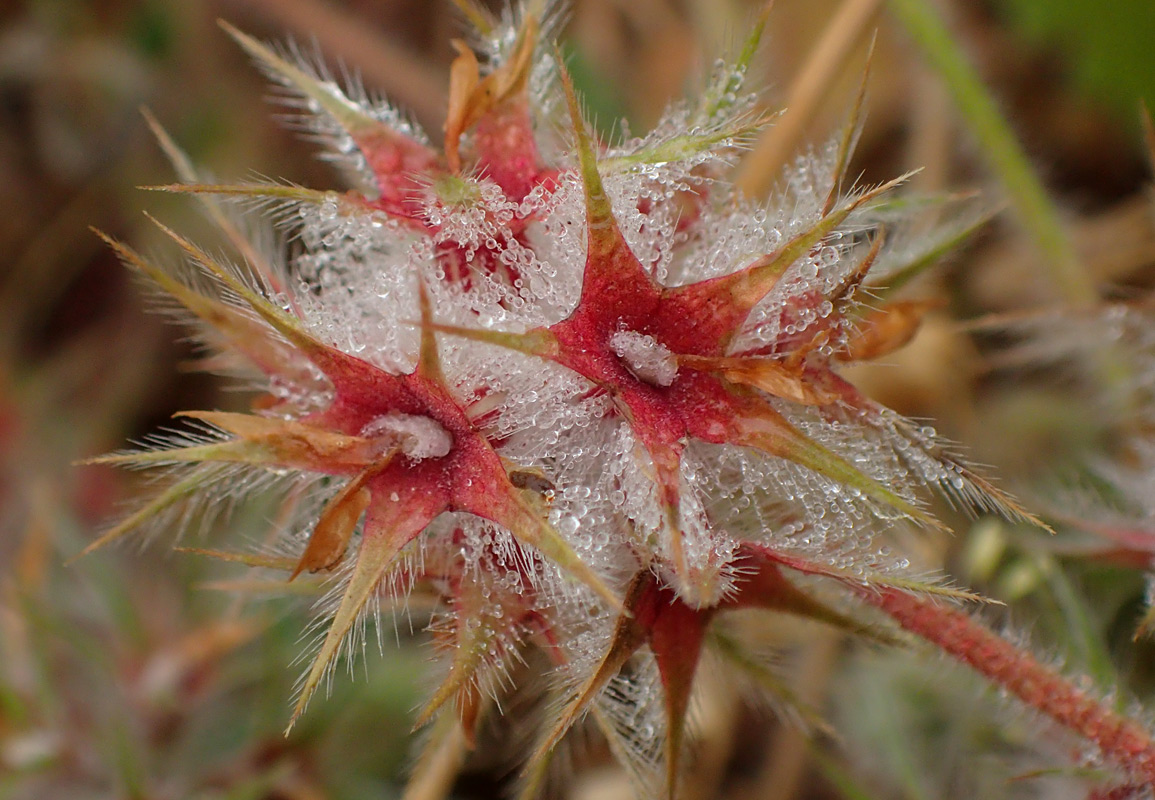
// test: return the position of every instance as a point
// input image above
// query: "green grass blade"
(1005, 155)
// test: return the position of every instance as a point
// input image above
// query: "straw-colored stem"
(440, 761)
(811, 86)
(786, 758)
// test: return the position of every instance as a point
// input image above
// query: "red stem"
(1121, 740)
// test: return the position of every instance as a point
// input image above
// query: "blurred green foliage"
(1109, 46)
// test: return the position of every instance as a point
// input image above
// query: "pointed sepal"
(188, 174)
(778, 377)
(393, 157)
(884, 330)
(720, 96)
(675, 637)
(767, 430)
(717, 308)
(478, 639)
(334, 529)
(850, 133)
(856, 579)
(355, 380)
(613, 275)
(244, 333)
(539, 342)
(685, 146)
(183, 489)
(390, 525)
(629, 635)
(428, 360)
(297, 445)
(472, 98)
(529, 527)
(761, 584)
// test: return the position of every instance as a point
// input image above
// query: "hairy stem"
(1121, 740)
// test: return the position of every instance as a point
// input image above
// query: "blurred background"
(144, 674)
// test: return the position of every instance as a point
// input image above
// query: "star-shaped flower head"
(532, 375)
(678, 367)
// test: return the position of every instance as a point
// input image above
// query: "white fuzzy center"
(644, 356)
(418, 437)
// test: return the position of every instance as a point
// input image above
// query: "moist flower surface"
(586, 396)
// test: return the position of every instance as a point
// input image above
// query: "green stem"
(1005, 155)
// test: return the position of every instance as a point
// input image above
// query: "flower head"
(588, 397)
